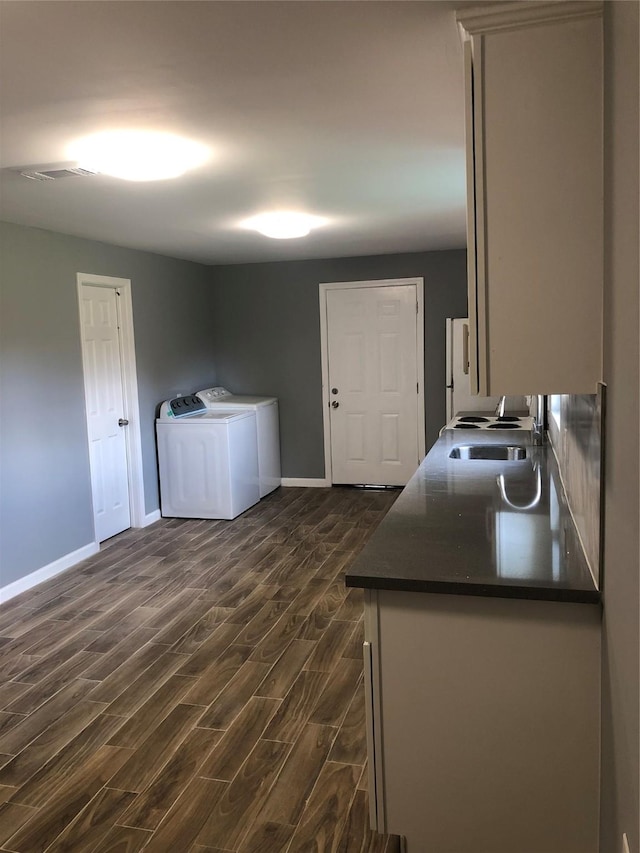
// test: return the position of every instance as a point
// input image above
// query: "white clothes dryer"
(268, 425)
(208, 460)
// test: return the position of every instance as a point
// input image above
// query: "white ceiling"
(352, 111)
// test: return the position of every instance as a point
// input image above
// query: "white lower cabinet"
(483, 722)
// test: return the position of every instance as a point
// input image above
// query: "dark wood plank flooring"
(196, 686)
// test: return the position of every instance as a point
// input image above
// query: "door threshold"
(371, 486)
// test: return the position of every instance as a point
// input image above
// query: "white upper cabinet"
(534, 120)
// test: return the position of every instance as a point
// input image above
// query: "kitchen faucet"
(538, 420)
(538, 417)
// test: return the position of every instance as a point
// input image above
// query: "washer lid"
(213, 397)
(207, 415)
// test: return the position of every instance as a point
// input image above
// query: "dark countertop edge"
(528, 593)
(582, 591)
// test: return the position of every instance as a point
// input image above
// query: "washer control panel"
(182, 407)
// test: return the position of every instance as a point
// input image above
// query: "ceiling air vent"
(57, 174)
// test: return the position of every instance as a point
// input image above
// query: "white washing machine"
(208, 460)
(266, 410)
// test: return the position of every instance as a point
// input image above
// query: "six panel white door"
(105, 406)
(373, 384)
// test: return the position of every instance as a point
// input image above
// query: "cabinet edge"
(373, 703)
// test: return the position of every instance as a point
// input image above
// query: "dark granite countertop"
(459, 527)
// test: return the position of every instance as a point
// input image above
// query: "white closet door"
(105, 408)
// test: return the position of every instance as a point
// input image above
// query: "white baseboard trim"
(47, 572)
(151, 518)
(319, 483)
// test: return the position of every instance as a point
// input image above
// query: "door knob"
(335, 404)
(123, 422)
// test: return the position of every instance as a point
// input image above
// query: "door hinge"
(417, 387)
(417, 309)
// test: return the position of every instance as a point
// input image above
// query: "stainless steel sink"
(495, 452)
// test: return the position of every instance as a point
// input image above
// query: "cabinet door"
(370, 717)
(534, 102)
(490, 715)
(477, 364)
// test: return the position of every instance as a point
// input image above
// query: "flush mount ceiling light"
(283, 224)
(138, 155)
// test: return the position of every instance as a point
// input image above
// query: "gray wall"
(267, 331)
(260, 322)
(620, 747)
(45, 496)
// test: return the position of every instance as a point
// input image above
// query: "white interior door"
(105, 410)
(373, 384)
